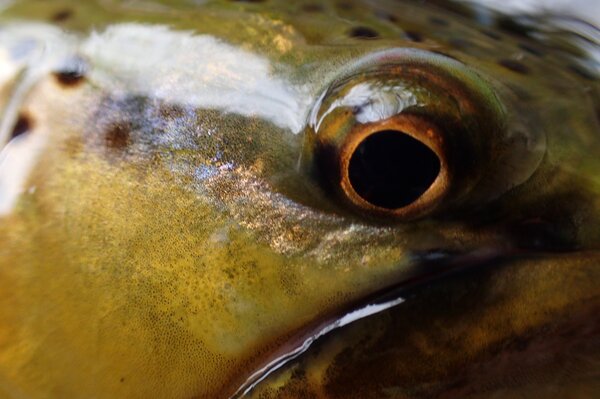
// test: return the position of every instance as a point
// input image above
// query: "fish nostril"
(391, 169)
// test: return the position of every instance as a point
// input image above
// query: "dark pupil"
(390, 169)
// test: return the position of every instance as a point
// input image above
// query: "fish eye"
(405, 134)
(394, 166)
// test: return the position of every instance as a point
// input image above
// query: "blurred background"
(588, 10)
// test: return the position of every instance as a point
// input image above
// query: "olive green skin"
(165, 243)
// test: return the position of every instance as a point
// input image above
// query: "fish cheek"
(462, 335)
(131, 267)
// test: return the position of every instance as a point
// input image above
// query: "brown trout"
(311, 199)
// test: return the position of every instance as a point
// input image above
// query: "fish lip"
(428, 268)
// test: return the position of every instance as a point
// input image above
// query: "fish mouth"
(428, 268)
(558, 345)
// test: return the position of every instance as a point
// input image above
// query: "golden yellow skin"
(167, 244)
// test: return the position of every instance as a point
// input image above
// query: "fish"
(311, 199)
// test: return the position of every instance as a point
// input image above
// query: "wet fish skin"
(159, 237)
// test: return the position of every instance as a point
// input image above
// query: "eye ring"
(461, 121)
(420, 132)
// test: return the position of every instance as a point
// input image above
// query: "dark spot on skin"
(117, 136)
(459, 43)
(439, 21)
(122, 379)
(455, 8)
(345, 5)
(23, 125)
(413, 36)
(69, 78)
(514, 66)
(363, 32)
(582, 72)
(312, 8)
(62, 15)
(531, 50)
(492, 35)
(384, 16)
(513, 26)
